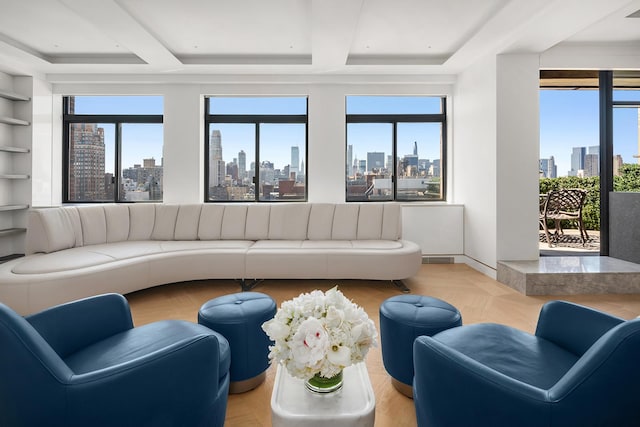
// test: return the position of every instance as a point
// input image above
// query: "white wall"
(183, 151)
(518, 148)
(43, 151)
(496, 133)
(474, 159)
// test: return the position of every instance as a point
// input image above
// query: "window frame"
(394, 119)
(117, 120)
(256, 120)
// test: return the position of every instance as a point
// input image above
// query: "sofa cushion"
(49, 230)
(276, 244)
(94, 225)
(127, 249)
(257, 225)
(384, 245)
(345, 222)
(69, 259)
(210, 225)
(187, 222)
(142, 217)
(392, 222)
(370, 221)
(327, 244)
(74, 218)
(117, 220)
(198, 245)
(234, 221)
(289, 221)
(320, 221)
(164, 226)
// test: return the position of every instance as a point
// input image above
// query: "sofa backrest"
(53, 229)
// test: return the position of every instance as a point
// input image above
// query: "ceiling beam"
(109, 17)
(333, 26)
(531, 26)
(563, 19)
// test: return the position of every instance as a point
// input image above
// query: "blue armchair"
(84, 364)
(579, 369)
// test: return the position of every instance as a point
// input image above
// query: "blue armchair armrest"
(159, 386)
(573, 327)
(78, 324)
(461, 379)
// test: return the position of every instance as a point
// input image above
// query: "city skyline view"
(570, 119)
(568, 125)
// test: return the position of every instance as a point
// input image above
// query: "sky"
(570, 118)
(139, 141)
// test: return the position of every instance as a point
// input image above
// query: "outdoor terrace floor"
(570, 268)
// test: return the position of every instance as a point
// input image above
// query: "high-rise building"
(617, 163)
(349, 165)
(86, 162)
(577, 160)
(143, 182)
(548, 168)
(295, 160)
(434, 169)
(362, 166)
(585, 162)
(591, 165)
(216, 163)
(242, 165)
(375, 161)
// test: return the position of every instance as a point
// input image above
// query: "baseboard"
(438, 260)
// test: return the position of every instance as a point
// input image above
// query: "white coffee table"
(353, 405)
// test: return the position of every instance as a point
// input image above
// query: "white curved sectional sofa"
(78, 251)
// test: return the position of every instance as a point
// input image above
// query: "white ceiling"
(295, 36)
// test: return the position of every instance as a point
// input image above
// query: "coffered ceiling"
(296, 36)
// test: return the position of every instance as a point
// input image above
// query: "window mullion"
(256, 168)
(117, 170)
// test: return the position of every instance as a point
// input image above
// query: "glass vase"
(320, 384)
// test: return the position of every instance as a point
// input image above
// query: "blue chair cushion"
(516, 354)
(137, 342)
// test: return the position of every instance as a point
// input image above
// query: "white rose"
(276, 330)
(339, 355)
(334, 317)
(310, 343)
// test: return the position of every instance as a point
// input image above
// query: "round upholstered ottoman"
(402, 319)
(239, 318)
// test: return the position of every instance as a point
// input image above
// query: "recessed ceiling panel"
(50, 28)
(220, 27)
(418, 27)
(618, 27)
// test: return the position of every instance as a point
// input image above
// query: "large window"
(112, 148)
(249, 134)
(626, 132)
(395, 148)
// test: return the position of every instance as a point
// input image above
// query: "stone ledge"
(571, 275)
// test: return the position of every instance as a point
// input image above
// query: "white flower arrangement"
(320, 333)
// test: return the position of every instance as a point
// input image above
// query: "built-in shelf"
(11, 231)
(13, 96)
(14, 149)
(12, 121)
(13, 176)
(13, 207)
